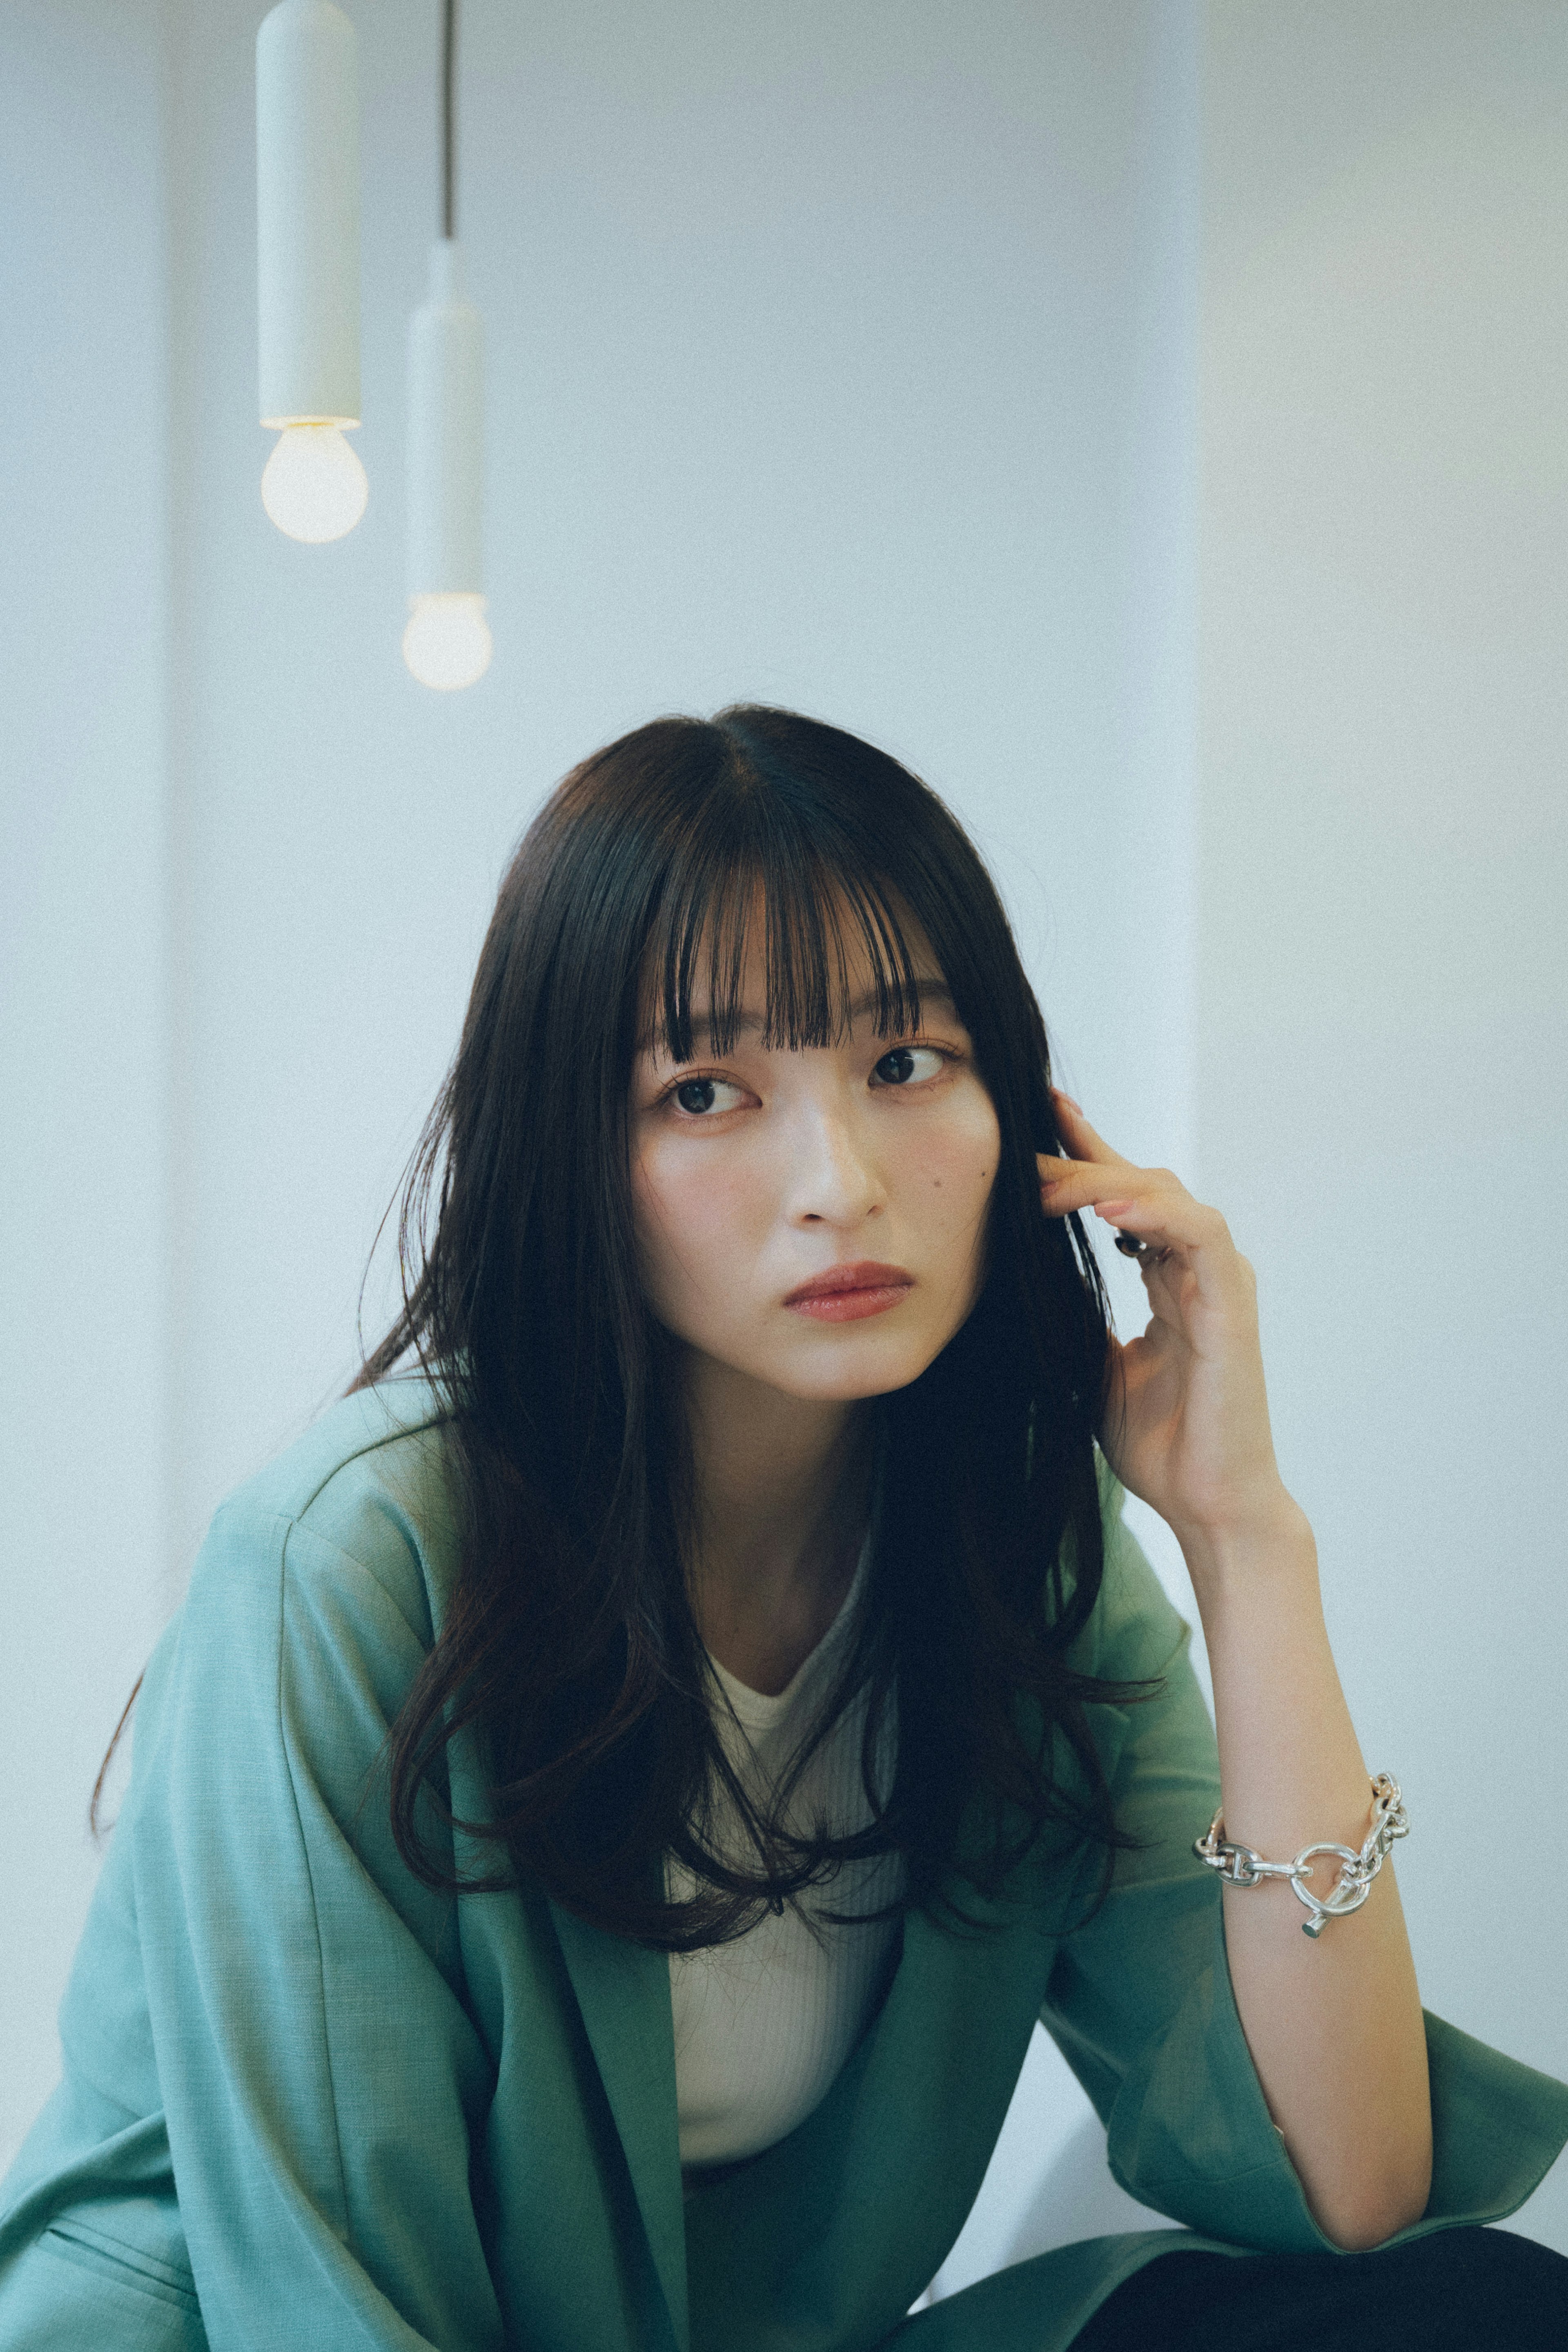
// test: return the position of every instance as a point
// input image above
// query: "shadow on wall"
(1048, 2183)
(1077, 2197)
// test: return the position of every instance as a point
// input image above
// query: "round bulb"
(448, 641)
(314, 487)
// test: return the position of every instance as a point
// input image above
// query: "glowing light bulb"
(448, 642)
(314, 487)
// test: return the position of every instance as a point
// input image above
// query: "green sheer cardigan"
(309, 2104)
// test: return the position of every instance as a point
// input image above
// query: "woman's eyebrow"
(932, 992)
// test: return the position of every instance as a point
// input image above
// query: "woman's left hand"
(1186, 1419)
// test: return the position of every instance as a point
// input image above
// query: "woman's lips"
(846, 1293)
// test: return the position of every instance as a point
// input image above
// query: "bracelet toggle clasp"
(1238, 1866)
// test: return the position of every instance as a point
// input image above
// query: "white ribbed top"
(763, 2025)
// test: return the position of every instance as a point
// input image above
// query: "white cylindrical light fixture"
(307, 265)
(446, 643)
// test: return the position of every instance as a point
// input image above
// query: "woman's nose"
(834, 1181)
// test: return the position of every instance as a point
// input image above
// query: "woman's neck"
(781, 1490)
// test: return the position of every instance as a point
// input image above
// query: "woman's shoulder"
(367, 1491)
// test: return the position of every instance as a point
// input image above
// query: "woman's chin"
(846, 1369)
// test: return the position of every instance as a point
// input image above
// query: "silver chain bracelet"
(1240, 1866)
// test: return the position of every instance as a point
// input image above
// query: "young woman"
(622, 1791)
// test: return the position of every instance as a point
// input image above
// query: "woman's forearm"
(1333, 2023)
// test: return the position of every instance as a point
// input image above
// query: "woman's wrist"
(1269, 1543)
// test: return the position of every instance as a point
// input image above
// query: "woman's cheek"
(660, 1237)
(966, 1188)
(959, 1172)
(695, 1212)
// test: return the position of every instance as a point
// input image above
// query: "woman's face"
(816, 1220)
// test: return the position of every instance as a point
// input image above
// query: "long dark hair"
(568, 1651)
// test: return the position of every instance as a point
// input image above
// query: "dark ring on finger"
(1130, 1246)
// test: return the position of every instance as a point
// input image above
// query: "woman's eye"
(704, 1096)
(907, 1065)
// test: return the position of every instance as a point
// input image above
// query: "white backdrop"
(1382, 984)
(1144, 418)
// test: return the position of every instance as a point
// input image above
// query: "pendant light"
(308, 266)
(446, 643)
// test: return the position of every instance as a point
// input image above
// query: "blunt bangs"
(812, 925)
(816, 921)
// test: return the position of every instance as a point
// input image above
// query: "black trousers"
(1457, 2291)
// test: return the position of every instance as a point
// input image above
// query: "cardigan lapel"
(623, 1992)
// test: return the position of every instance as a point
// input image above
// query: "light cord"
(448, 139)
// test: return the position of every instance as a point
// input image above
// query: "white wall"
(83, 1038)
(1382, 975)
